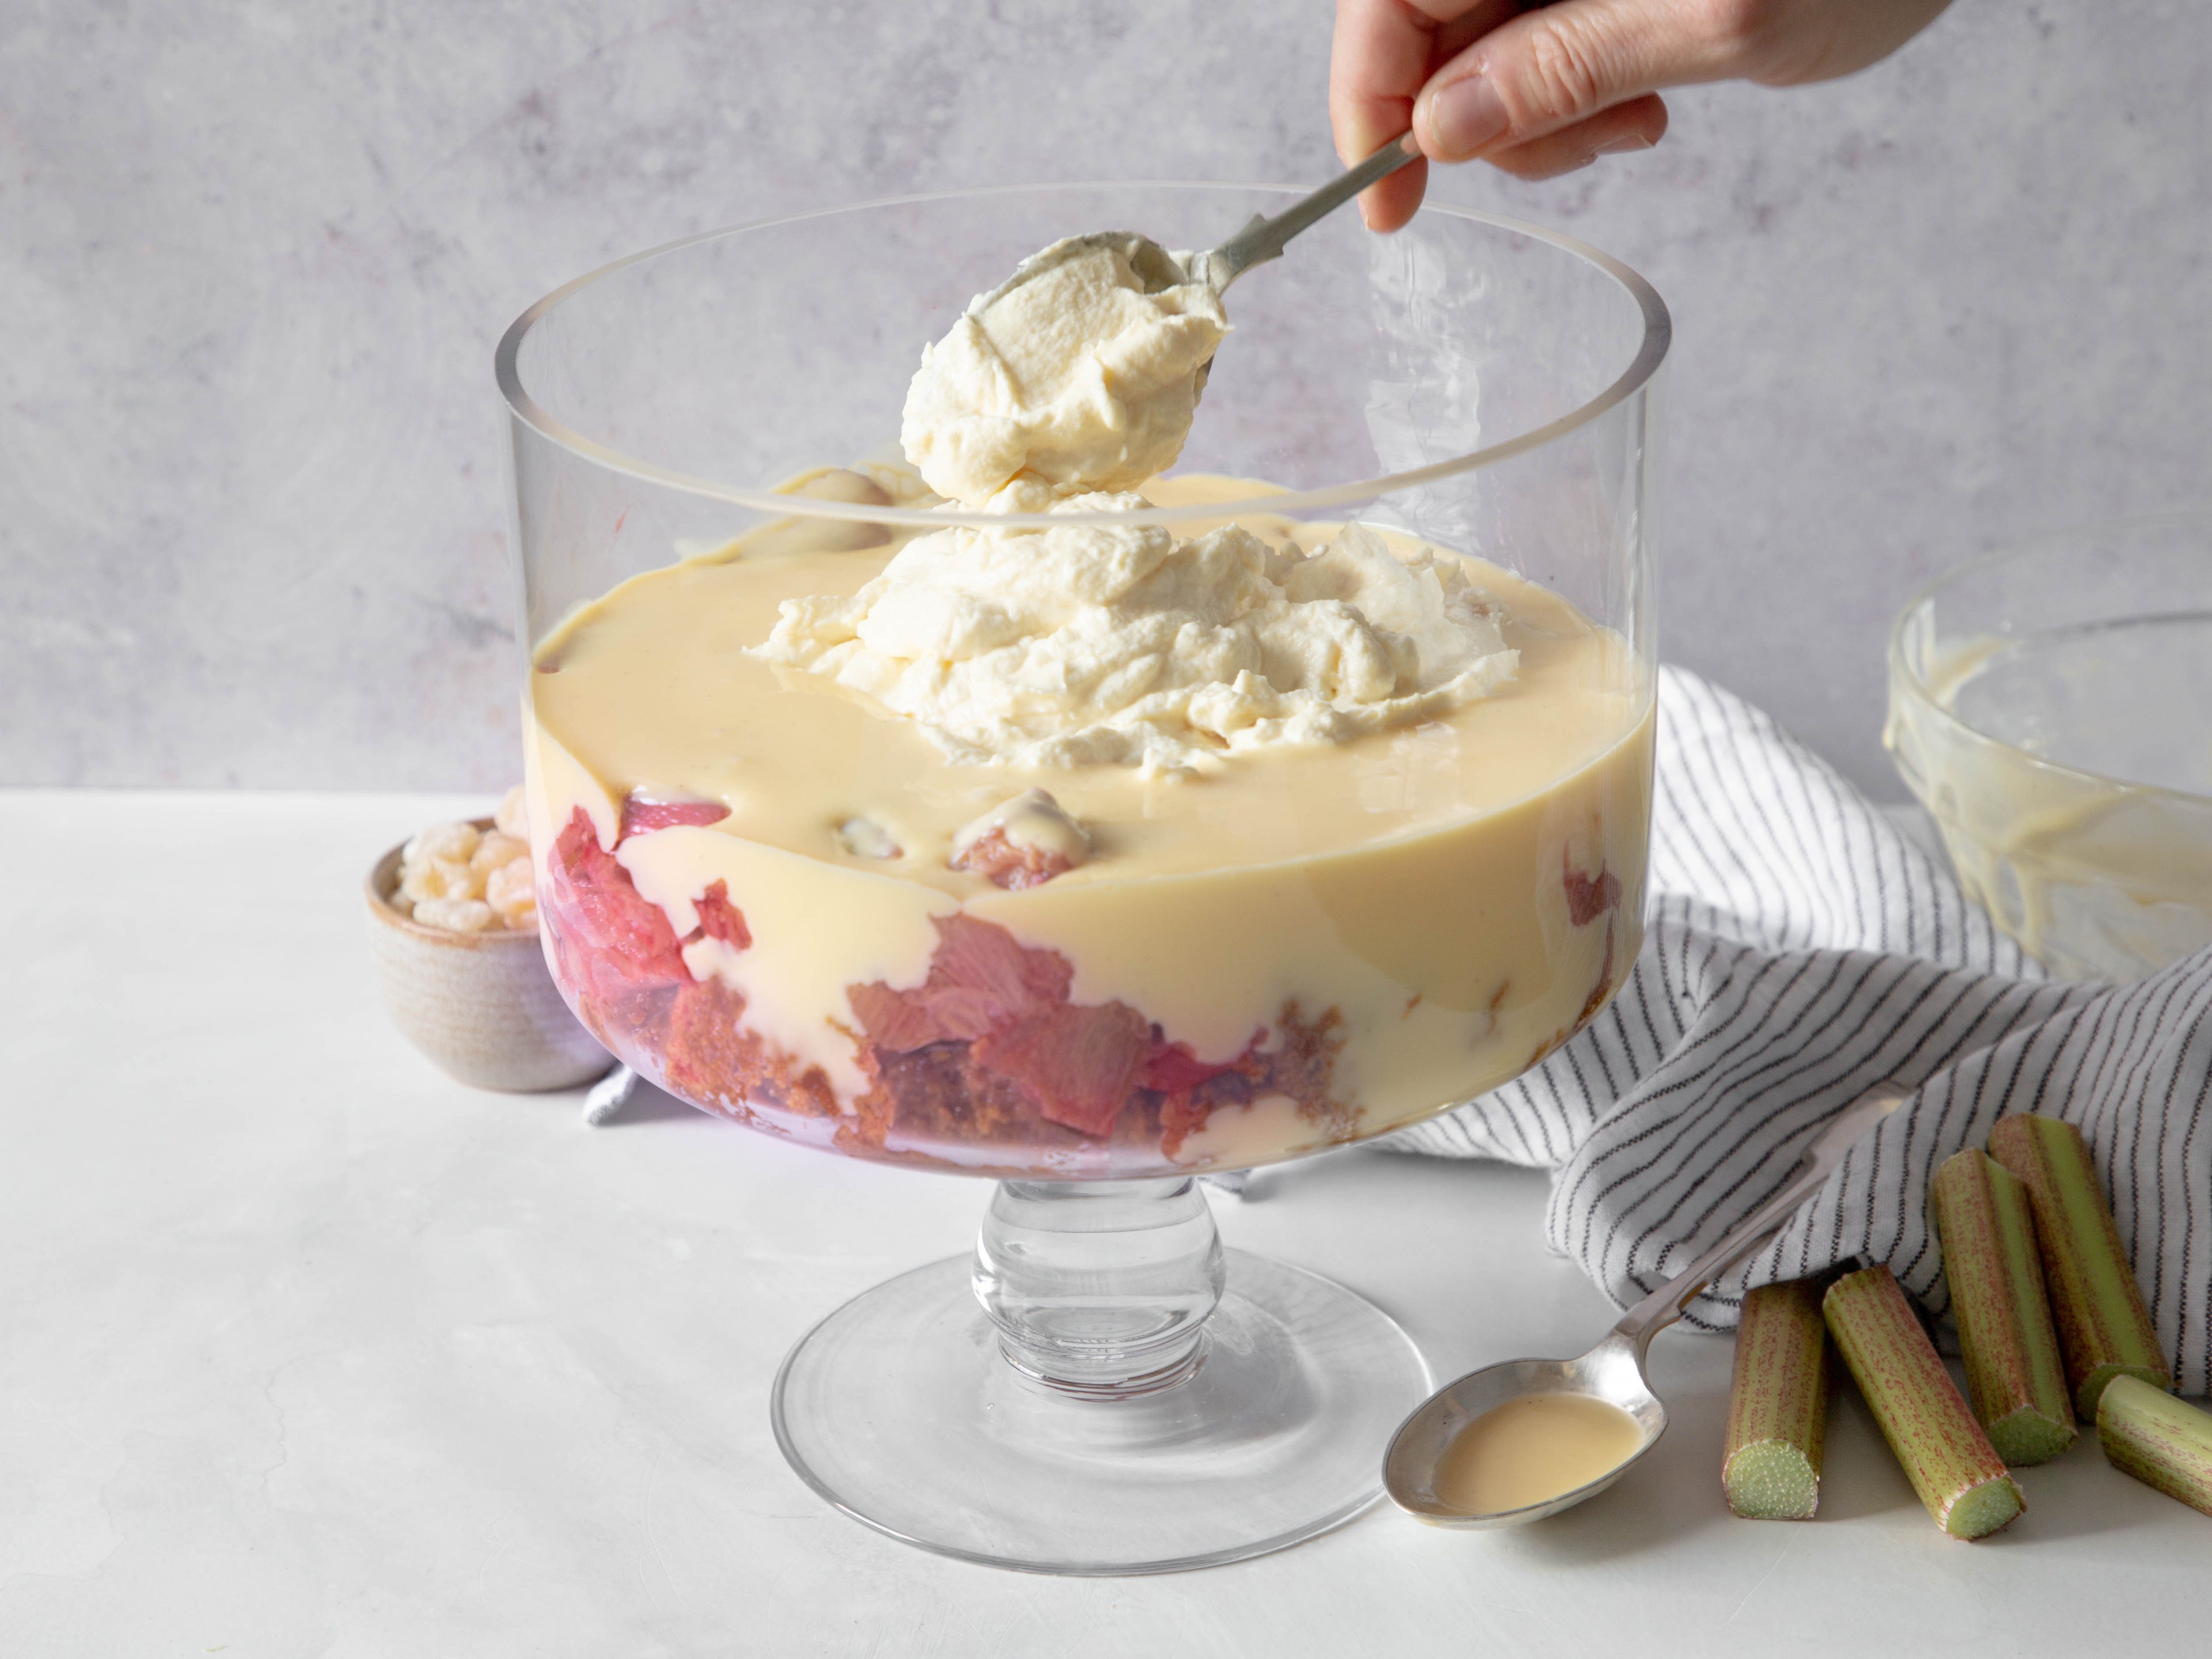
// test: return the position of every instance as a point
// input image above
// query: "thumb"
(1555, 66)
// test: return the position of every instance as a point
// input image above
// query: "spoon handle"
(1842, 1131)
(1263, 238)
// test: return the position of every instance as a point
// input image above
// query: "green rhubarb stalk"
(2148, 1433)
(2014, 1373)
(1778, 1405)
(2104, 1329)
(1949, 1461)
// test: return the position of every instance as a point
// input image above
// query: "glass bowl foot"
(900, 1409)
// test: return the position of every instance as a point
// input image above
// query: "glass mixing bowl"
(747, 896)
(2051, 708)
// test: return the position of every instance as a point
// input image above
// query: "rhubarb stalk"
(2104, 1328)
(2148, 1433)
(1778, 1405)
(1949, 1461)
(2013, 1374)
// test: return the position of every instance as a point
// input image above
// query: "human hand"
(1539, 90)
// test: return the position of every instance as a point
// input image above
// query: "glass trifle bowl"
(1090, 976)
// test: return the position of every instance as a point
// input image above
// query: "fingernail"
(1627, 144)
(1462, 117)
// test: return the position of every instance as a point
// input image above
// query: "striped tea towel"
(1802, 949)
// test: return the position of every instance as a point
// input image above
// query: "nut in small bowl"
(483, 1006)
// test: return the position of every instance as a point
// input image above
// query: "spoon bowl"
(1613, 1371)
(1609, 1372)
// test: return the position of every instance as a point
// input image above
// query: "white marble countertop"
(305, 1350)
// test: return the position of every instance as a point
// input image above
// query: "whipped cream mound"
(1105, 644)
(1082, 372)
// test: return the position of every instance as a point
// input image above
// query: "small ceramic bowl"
(483, 1006)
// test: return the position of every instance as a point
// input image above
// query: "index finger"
(1381, 54)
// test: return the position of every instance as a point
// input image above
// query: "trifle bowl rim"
(1643, 365)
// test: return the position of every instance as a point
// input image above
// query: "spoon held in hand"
(1262, 239)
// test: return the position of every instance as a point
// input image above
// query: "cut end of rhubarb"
(1980, 1511)
(1778, 1405)
(2027, 1437)
(1772, 1480)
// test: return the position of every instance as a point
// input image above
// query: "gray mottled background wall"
(254, 254)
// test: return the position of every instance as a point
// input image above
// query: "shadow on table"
(1859, 1474)
(2079, 1493)
(647, 1104)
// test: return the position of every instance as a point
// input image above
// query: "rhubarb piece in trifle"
(1097, 833)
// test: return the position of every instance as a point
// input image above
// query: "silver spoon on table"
(1613, 1371)
(1260, 241)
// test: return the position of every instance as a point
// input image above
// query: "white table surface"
(306, 1350)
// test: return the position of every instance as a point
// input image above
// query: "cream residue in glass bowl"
(2051, 708)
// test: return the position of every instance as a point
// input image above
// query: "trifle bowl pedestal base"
(1101, 1389)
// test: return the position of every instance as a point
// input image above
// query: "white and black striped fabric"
(1801, 949)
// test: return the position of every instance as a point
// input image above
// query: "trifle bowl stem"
(1100, 1289)
(1100, 1388)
